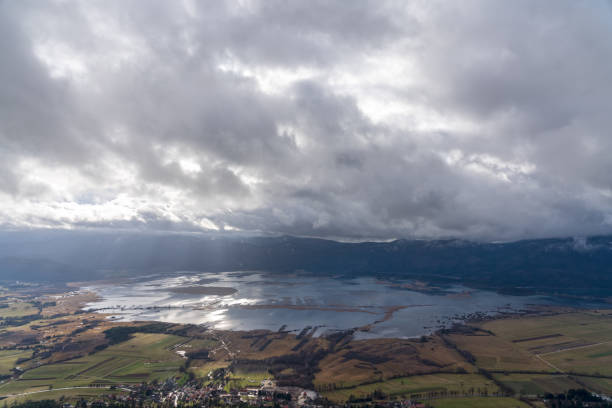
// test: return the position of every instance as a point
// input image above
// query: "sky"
(485, 120)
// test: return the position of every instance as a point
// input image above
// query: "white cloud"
(368, 119)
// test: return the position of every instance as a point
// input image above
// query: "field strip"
(59, 389)
(550, 364)
(574, 348)
(11, 355)
(179, 344)
(90, 368)
(548, 336)
(121, 367)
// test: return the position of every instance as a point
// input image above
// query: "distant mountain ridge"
(564, 265)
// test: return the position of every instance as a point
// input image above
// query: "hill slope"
(564, 265)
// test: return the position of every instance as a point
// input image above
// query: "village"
(268, 394)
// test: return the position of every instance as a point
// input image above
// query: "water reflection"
(266, 301)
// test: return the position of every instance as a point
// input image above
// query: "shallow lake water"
(259, 300)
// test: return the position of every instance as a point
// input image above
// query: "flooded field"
(257, 300)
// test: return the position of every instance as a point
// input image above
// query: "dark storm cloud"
(361, 119)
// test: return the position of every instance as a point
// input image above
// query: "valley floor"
(50, 349)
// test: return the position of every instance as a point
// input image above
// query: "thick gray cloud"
(362, 119)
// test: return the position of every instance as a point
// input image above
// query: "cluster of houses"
(169, 394)
(268, 394)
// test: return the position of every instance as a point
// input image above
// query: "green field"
(8, 359)
(241, 378)
(422, 385)
(479, 402)
(146, 357)
(497, 353)
(599, 385)
(67, 395)
(537, 384)
(547, 333)
(18, 309)
(567, 342)
(206, 368)
(595, 359)
(515, 350)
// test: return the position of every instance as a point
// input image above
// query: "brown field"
(67, 303)
(375, 360)
(530, 354)
(260, 344)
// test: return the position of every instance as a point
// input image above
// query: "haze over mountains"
(564, 265)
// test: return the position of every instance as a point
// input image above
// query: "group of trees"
(575, 399)
(120, 334)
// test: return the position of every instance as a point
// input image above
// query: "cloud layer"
(361, 119)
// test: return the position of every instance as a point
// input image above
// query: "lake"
(259, 300)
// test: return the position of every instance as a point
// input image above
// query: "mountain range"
(569, 266)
